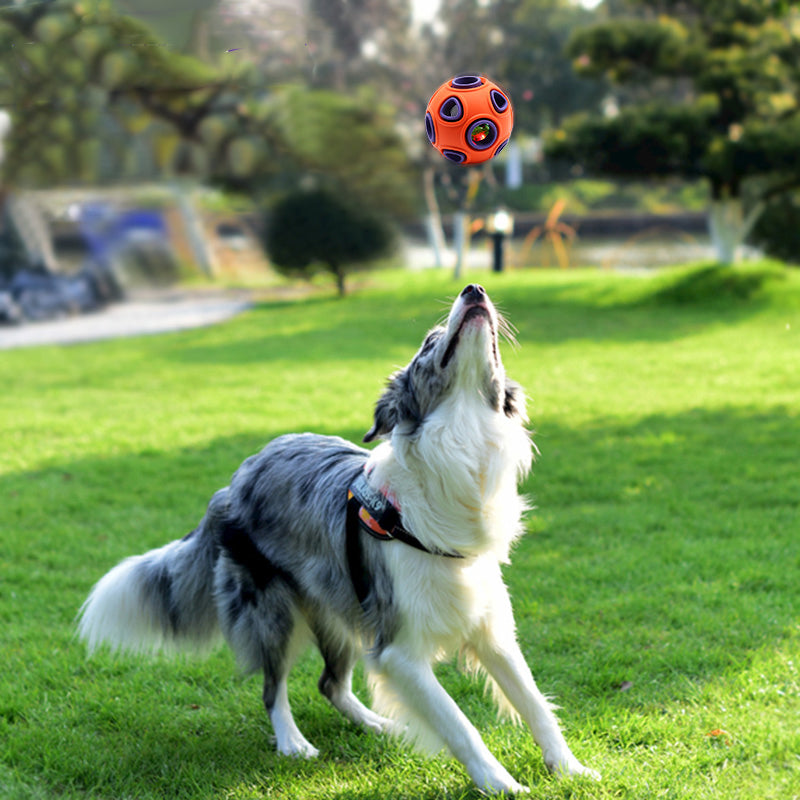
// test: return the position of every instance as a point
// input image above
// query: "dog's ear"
(514, 401)
(385, 416)
(396, 404)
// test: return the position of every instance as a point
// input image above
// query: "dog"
(391, 554)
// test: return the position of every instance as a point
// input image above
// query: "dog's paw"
(567, 766)
(297, 747)
(579, 770)
(499, 782)
(510, 789)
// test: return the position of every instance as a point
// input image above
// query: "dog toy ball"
(469, 119)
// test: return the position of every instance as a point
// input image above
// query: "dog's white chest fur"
(456, 485)
(456, 480)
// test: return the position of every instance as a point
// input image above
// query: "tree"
(347, 143)
(309, 231)
(724, 103)
(79, 81)
(776, 232)
(535, 68)
(323, 44)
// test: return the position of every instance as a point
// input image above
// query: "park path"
(143, 314)
(162, 311)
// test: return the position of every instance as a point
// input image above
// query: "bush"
(776, 232)
(317, 230)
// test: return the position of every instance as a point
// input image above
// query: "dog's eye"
(428, 344)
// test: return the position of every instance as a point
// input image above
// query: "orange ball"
(469, 119)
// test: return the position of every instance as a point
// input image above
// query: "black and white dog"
(392, 554)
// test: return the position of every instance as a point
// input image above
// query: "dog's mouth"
(470, 313)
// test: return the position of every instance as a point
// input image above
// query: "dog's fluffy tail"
(162, 600)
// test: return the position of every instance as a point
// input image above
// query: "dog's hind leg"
(289, 740)
(336, 683)
(267, 632)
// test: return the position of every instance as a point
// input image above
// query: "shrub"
(776, 232)
(317, 230)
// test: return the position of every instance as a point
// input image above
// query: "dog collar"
(378, 514)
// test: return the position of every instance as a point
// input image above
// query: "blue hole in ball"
(500, 147)
(454, 156)
(481, 135)
(466, 81)
(429, 129)
(451, 110)
(499, 101)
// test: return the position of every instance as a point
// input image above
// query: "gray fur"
(289, 502)
(267, 563)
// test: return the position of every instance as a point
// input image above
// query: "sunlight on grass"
(656, 593)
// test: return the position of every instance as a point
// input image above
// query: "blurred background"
(146, 142)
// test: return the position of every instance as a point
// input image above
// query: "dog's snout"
(474, 292)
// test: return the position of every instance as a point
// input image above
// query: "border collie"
(392, 555)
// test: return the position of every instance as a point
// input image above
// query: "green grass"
(657, 592)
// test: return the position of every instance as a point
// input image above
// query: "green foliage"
(351, 141)
(586, 194)
(534, 67)
(723, 86)
(776, 232)
(74, 77)
(658, 140)
(632, 49)
(96, 96)
(313, 230)
(656, 590)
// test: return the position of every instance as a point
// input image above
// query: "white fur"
(456, 484)
(116, 615)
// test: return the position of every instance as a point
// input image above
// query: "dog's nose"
(473, 292)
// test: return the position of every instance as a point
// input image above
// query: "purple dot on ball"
(466, 81)
(451, 110)
(429, 129)
(499, 101)
(454, 156)
(500, 147)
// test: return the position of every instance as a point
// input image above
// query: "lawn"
(657, 591)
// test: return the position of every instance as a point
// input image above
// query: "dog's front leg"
(506, 665)
(416, 685)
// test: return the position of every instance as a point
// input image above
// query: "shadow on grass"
(721, 284)
(662, 555)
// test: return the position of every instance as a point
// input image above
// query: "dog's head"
(461, 356)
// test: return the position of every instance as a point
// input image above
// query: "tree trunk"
(340, 275)
(434, 218)
(33, 229)
(729, 226)
(725, 222)
(193, 227)
(460, 224)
